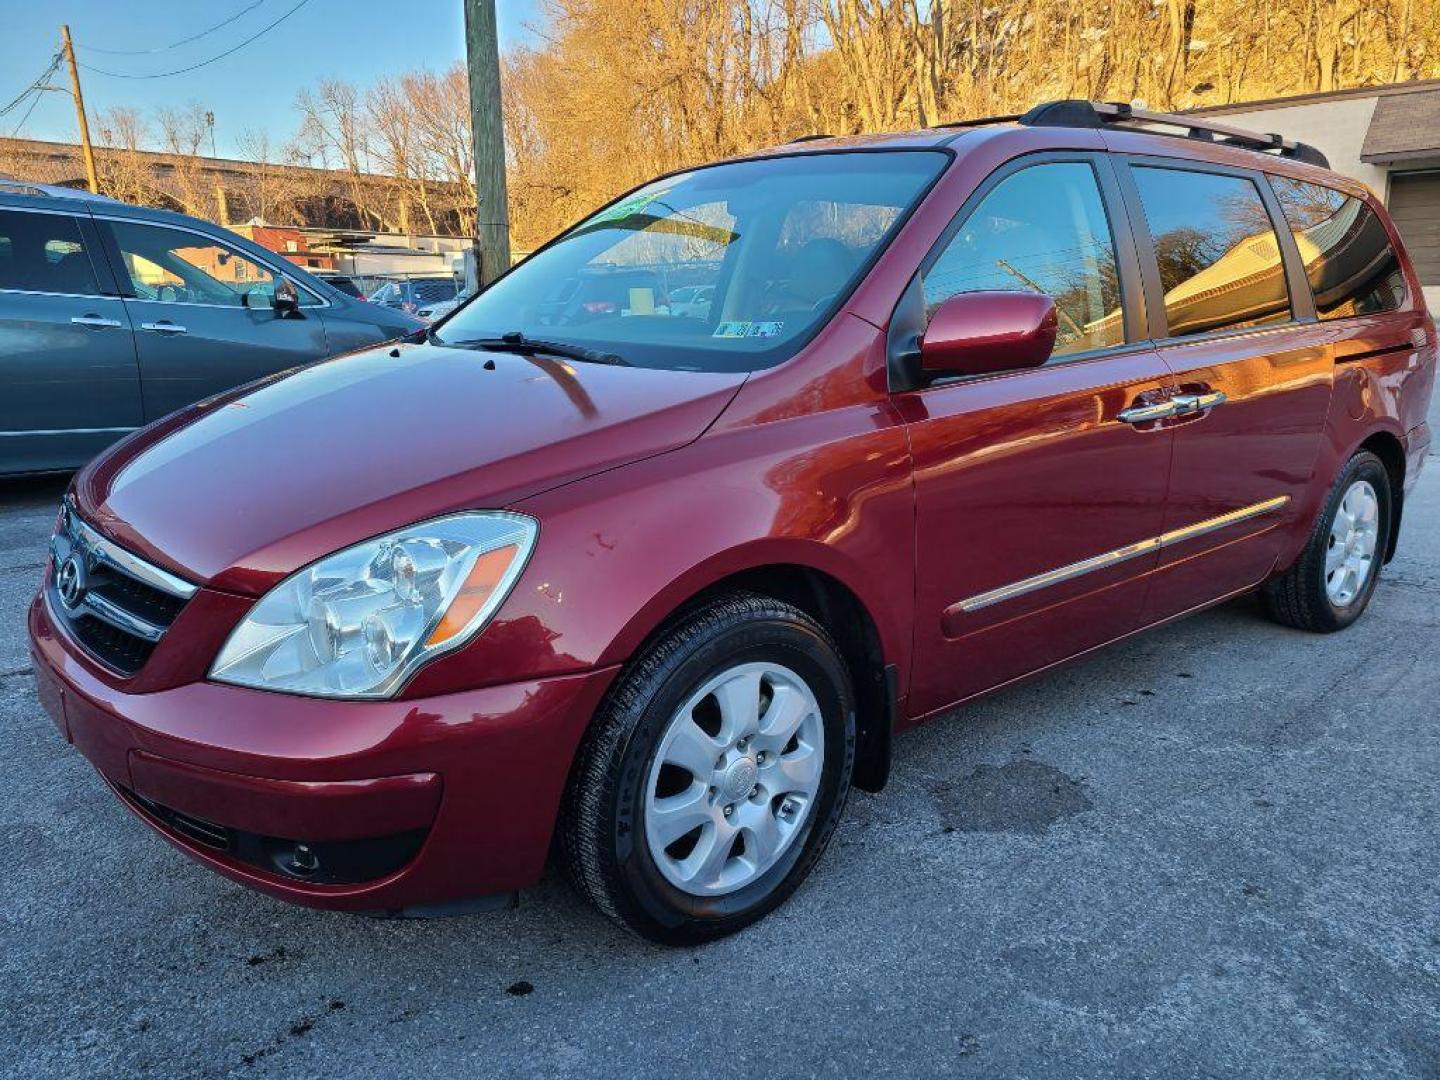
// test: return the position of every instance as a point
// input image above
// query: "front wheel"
(1330, 585)
(714, 774)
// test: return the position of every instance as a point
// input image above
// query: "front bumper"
(459, 793)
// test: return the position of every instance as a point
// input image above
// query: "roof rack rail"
(1099, 114)
(809, 138)
(979, 121)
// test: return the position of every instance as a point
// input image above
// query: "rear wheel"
(1330, 585)
(714, 774)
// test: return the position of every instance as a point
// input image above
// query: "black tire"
(1298, 597)
(601, 834)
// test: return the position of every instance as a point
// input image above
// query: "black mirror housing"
(287, 298)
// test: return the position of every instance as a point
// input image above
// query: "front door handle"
(1186, 404)
(165, 327)
(1146, 414)
(96, 322)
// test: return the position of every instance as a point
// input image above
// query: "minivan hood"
(240, 490)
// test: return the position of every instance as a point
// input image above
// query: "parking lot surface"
(1213, 850)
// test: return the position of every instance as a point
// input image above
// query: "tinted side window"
(181, 267)
(1352, 268)
(44, 253)
(178, 266)
(1220, 265)
(430, 292)
(1043, 230)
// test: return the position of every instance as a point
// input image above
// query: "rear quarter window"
(1349, 260)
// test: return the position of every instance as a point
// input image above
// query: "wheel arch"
(834, 603)
(1387, 446)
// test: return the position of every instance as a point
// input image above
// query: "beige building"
(1385, 136)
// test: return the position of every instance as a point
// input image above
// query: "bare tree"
(334, 130)
(188, 180)
(125, 172)
(616, 91)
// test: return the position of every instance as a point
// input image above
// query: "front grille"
(109, 644)
(152, 605)
(115, 605)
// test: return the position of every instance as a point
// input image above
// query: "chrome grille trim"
(120, 618)
(112, 603)
(117, 557)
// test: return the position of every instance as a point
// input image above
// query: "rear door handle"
(1145, 414)
(96, 322)
(163, 327)
(1186, 404)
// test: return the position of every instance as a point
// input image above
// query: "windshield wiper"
(517, 342)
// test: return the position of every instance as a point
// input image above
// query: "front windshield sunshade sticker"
(748, 329)
(632, 204)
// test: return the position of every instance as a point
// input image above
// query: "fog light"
(301, 861)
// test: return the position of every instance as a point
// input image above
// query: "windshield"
(727, 268)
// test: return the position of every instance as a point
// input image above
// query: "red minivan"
(653, 588)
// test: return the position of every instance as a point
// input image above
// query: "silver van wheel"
(1354, 536)
(734, 778)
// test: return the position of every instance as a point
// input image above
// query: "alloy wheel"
(734, 778)
(1354, 537)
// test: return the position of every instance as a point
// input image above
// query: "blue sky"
(357, 40)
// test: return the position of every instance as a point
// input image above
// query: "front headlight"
(359, 622)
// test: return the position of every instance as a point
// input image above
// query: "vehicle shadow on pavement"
(27, 493)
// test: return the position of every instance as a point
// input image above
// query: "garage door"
(1415, 206)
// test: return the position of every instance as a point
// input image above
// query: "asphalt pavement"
(1210, 851)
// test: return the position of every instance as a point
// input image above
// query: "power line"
(176, 44)
(39, 93)
(203, 63)
(34, 86)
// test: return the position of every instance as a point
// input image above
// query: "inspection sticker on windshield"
(748, 329)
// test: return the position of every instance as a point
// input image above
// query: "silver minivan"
(112, 316)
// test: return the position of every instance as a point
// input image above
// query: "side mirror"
(287, 297)
(982, 333)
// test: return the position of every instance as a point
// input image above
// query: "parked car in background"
(413, 293)
(112, 316)
(572, 573)
(692, 300)
(438, 310)
(343, 282)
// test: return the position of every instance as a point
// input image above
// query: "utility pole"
(85, 147)
(492, 220)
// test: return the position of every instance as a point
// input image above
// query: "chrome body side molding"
(1112, 558)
